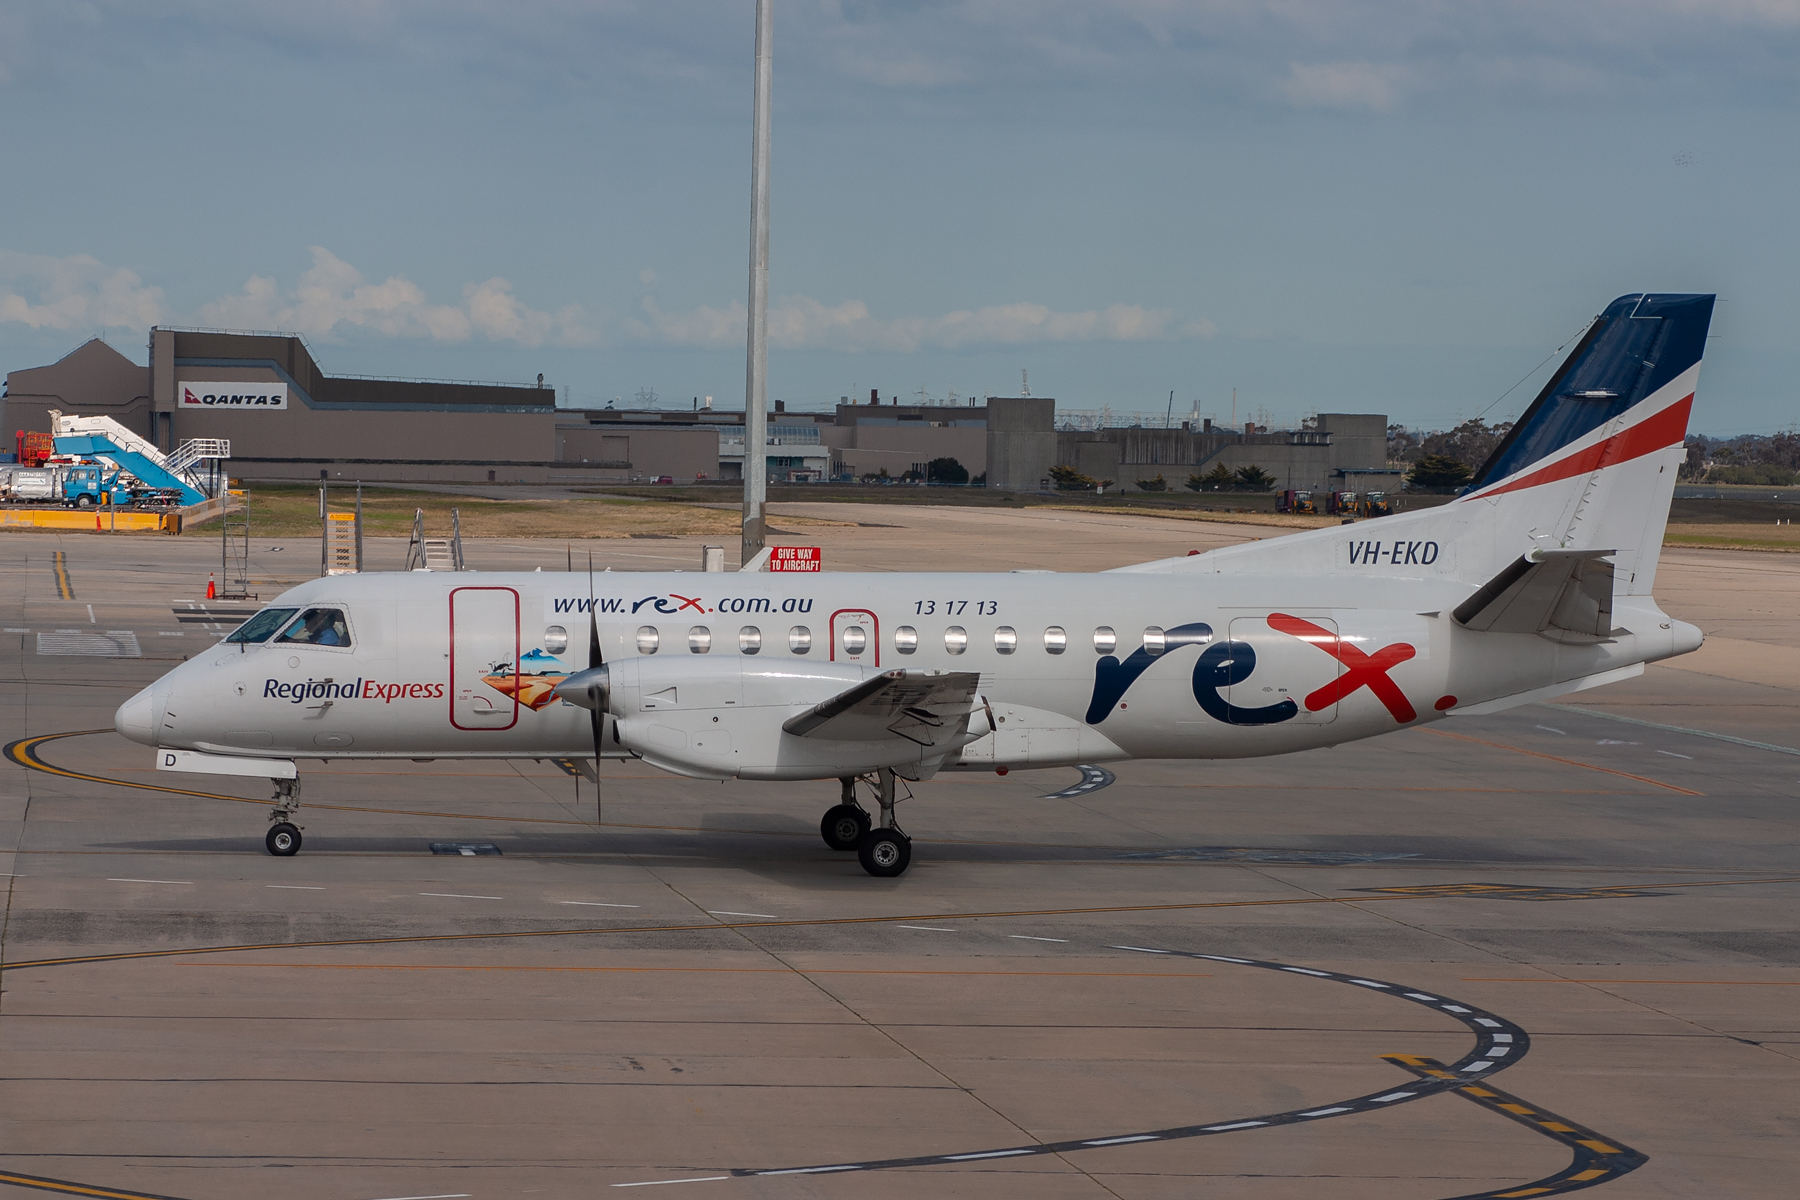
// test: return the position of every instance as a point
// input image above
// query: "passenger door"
(855, 636)
(484, 658)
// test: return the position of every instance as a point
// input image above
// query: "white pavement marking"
(1023, 937)
(1308, 971)
(1139, 949)
(719, 912)
(1239, 1125)
(1672, 754)
(91, 620)
(460, 896)
(439, 1196)
(1455, 1008)
(1492, 1024)
(1478, 1066)
(814, 1170)
(18, 631)
(1368, 983)
(169, 633)
(189, 882)
(1390, 1097)
(598, 904)
(1325, 1112)
(1120, 1141)
(930, 928)
(1419, 996)
(658, 1182)
(1547, 729)
(985, 1154)
(294, 887)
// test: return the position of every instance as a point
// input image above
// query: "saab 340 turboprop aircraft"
(1534, 582)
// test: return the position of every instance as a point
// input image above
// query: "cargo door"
(484, 658)
(1278, 662)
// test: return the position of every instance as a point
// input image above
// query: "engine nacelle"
(720, 718)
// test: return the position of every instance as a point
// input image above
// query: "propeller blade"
(596, 712)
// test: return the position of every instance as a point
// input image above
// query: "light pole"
(756, 391)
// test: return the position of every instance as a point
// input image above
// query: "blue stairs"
(152, 473)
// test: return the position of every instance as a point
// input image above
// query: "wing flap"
(927, 708)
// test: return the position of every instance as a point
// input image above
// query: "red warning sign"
(794, 558)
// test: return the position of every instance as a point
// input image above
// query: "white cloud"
(332, 297)
(802, 323)
(78, 292)
(1347, 85)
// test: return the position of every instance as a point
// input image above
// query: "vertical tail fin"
(1591, 464)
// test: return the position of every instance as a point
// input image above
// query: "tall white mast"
(756, 392)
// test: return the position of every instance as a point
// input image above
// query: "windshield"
(318, 627)
(263, 625)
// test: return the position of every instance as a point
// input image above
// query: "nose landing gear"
(283, 838)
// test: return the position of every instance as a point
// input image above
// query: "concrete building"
(1345, 451)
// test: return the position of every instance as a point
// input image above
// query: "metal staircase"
(435, 554)
(191, 469)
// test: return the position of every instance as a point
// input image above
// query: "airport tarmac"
(1596, 898)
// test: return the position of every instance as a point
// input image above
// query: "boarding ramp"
(182, 470)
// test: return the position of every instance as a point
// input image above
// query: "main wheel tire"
(283, 840)
(885, 853)
(843, 826)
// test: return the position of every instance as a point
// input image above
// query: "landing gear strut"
(885, 851)
(283, 838)
(846, 822)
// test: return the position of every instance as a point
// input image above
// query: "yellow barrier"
(90, 520)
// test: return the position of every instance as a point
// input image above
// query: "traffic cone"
(212, 591)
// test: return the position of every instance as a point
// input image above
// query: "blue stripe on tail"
(1633, 348)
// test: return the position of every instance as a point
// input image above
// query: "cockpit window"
(262, 626)
(318, 627)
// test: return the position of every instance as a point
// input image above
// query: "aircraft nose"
(139, 716)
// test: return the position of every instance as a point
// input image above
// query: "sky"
(1403, 206)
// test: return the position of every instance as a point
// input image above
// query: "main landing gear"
(883, 849)
(283, 839)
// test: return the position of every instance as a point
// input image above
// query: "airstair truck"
(105, 438)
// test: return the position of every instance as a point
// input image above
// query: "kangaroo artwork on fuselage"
(1534, 582)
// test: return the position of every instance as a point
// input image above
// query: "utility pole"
(756, 392)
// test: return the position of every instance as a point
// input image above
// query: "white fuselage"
(461, 665)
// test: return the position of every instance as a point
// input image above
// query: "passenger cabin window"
(647, 639)
(750, 640)
(906, 639)
(699, 640)
(800, 639)
(956, 639)
(556, 639)
(262, 626)
(1154, 640)
(317, 627)
(856, 640)
(1105, 640)
(1055, 640)
(1006, 639)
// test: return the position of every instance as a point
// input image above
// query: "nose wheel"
(283, 840)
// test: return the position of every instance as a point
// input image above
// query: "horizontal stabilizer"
(929, 708)
(1556, 592)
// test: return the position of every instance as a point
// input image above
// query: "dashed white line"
(1222, 958)
(1456, 1008)
(1139, 949)
(1420, 996)
(597, 904)
(1306, 971)
(1547, 729)
(1390, 1097)
(439, 1196)
(659, 1182)
(1325, 1112)
(1120, 1141)
(1026, 937)
(1239, 1125)
(1672, 754)
(1499, 1037)
(1478, 1066)
(1499, 1052)
(188, 882)
(985, 1154)
(719, 912)
(930, 928)
(460, 896)
(294, 887)
(1492, 1024)
(1369, 983)
(18, 631)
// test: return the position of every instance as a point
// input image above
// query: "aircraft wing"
(1566, 590)
(929, 708)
